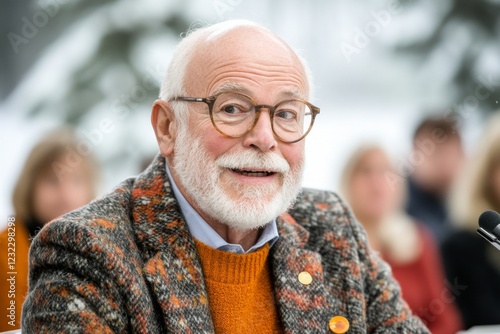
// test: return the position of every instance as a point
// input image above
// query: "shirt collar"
(200, 229)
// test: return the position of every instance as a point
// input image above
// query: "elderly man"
(217, 235)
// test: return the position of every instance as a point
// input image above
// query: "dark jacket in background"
(475, 265)
(428, 209)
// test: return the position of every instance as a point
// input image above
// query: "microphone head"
(488, 220)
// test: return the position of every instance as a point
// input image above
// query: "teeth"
(253, 174)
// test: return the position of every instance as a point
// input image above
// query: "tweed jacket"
(127, 263)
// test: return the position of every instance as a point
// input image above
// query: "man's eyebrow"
(292, 94)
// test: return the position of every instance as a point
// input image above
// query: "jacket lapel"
(303, 308)
(171, 265)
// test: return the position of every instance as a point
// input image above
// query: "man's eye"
(286, 114)
(232, 109)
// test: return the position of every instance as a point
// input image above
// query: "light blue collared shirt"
(200, 229)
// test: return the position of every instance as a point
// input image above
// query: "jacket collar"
(171, 264)
(173, 270)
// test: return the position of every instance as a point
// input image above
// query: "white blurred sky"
(377, 97)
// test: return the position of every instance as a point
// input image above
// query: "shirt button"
(305, 278)
(338, 324)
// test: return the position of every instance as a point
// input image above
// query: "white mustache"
(252, 160)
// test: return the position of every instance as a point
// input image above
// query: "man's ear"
(163, 121)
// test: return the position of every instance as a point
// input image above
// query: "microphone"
(489, 227)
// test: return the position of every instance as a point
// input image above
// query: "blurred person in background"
(469, 259)
(435, 160)
(403, 243)
(39, 196)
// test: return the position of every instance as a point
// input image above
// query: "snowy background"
(379, 67)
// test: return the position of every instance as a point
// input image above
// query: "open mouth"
(253, 173)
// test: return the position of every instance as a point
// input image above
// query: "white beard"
(252, 206)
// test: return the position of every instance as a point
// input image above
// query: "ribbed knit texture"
(240, 291)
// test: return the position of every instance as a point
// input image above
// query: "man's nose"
(261, 136)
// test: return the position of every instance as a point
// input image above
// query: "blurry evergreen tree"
(474, 25)
(112, 80)
(116, 43)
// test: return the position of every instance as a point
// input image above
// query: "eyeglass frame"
(210, 101)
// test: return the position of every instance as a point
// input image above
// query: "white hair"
(173, 84)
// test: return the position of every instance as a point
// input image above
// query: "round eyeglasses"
(235, 114)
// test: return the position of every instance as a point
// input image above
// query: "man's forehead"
(239, 87)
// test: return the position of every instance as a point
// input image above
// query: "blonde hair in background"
(397, 232)
(353, 163)
(50, 148)
(472, 193)
(351, 166)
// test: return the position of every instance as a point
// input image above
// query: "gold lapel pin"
(338, 324)
(305, 278)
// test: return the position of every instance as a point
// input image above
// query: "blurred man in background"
(436, 158)
(40, 195)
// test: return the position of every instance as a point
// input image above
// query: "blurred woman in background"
(376, 195)
(469, 259)
(53, 181)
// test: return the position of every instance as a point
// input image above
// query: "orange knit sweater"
(240, 290)
(22, 245)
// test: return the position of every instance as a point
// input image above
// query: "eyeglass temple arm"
(191, 99)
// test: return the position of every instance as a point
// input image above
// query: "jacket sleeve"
(386, 311)
(85, 275)
(69, 288)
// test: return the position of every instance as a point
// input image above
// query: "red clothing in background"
(424, 289)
